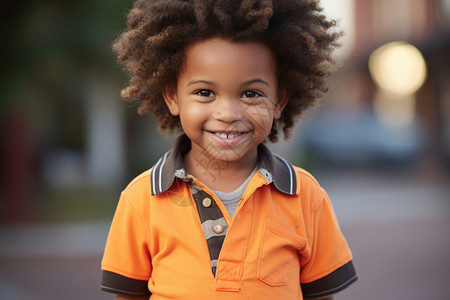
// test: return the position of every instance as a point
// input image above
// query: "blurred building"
(425, 24)
(364, 124)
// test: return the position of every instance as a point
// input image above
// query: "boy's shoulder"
(305, 177)
(140, 184)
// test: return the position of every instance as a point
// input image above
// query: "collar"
(273, 168)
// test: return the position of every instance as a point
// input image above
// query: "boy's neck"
(220, 175)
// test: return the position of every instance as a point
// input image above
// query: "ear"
(282, 100)
(171, 99)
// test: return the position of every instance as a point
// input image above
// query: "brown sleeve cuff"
(121, 285)
(332, 283)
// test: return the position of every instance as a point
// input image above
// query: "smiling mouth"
(224, 135)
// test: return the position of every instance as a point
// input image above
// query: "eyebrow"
(192, 82)
(256, 80)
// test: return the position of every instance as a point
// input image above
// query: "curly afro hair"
(152, 48)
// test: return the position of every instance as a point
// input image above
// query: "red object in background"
(17, 169)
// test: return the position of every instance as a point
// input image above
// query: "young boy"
(219, 216)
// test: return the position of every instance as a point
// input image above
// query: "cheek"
(263, 111)
(191, 114)
(261, 116)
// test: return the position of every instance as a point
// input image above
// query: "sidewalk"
(398, 229)
(52, 262)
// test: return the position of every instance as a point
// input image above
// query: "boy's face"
(227, 98)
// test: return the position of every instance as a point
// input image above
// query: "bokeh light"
(398, 67)
(399, 70)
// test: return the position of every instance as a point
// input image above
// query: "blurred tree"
(49, 51)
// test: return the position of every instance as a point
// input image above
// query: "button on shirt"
(218, 228)
(207, 202)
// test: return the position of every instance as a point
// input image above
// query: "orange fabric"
(274, 242)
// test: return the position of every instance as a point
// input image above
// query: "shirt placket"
(227, 252)
(213, 223)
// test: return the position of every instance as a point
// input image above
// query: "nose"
(227, 110)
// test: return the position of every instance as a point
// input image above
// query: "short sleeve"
(329, 268)
(126, 265)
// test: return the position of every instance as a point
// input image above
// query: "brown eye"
(204, 93)
(250, 94)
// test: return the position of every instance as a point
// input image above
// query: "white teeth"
(225, 136)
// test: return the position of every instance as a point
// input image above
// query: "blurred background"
(379, 142)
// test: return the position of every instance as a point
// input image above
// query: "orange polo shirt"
(172, 238)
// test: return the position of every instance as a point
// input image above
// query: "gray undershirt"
(231, 199)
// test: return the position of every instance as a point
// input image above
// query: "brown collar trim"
(170, 166)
